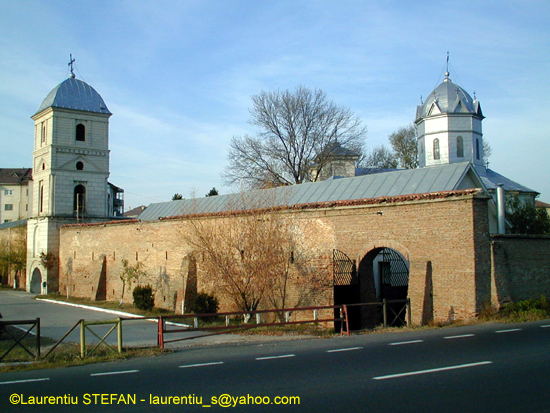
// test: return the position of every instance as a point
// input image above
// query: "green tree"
(295, 128)
(525, 218)
(177, 197)
(213, 192)
(405, 148)
(129, 274)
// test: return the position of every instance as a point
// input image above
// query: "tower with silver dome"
(449, 127)
(70, 174)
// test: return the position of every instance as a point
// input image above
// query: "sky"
(178, 76)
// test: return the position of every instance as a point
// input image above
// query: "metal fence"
(188, 325)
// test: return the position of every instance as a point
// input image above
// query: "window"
(436, 149)
(477, 148)
(460, 147)
(79, 202)
(8, 191)
(80, 132)
(41, 196)
(8, 207)
(43, 132)
(79, 166)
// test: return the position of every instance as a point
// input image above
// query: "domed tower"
(70, 172)
(449, 127)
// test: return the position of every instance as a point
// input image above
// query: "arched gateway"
(36, 281)
(382, 274)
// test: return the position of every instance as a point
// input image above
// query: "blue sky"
(178, 75)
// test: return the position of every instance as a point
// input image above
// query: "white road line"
(414, 373)
(344, 349)
(111, 373)
(399, 343)
(23, 381)
(509, 331)
(548, 325)
(461, 336)
(276, 357)
(201, 364)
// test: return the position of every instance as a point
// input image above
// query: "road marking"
(399, 343)
(344, 349)
(509, 331)
(548, 325)
(276, 357)
(201, 364)
(414, 373)
(23, 381)
(461, 336)
(110, 373)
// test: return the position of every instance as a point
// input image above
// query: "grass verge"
(66, 354)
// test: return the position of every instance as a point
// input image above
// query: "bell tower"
(70, 172)
(449, 127)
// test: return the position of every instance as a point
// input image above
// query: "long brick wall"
(521, 268)
(443, 236)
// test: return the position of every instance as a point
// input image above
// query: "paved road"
(485, 368)
(56, 319)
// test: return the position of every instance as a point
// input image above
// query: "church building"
(433, 234)
(70, 174)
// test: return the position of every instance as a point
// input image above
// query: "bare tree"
(380, 157)
(295, 129)
(405, 148)
(254, 258)
(487, 152)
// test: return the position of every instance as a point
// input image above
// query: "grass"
(66, 354)
(109, 305)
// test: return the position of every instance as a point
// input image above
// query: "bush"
(527, 309)
(143, 297)
(205, 304)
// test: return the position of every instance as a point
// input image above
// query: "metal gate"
(393, 284)
(346, 287)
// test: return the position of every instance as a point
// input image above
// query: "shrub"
(527, 309)
(143, 297)
(205, 303)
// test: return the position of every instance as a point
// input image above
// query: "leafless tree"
(253, 257)
(380, 157)
(295, 128)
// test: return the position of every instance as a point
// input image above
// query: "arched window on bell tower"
(459, 147)
(436, 149)
(80, 132)
(477, 150)
(79, 202)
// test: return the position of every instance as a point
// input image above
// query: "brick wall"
(440, 235)
(521, 267)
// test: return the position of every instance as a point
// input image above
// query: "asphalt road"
(56, 319)
(483, 368)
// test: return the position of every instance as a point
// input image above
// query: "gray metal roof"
(396, 183)
(491, 179)
(13, 224)
(449, 98)
(74, 94)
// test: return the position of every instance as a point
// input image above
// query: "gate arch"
(383, 273)
(36, 281)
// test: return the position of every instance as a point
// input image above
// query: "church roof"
(492, 179)
(74, 94)
(448, 98)
(389, 184)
